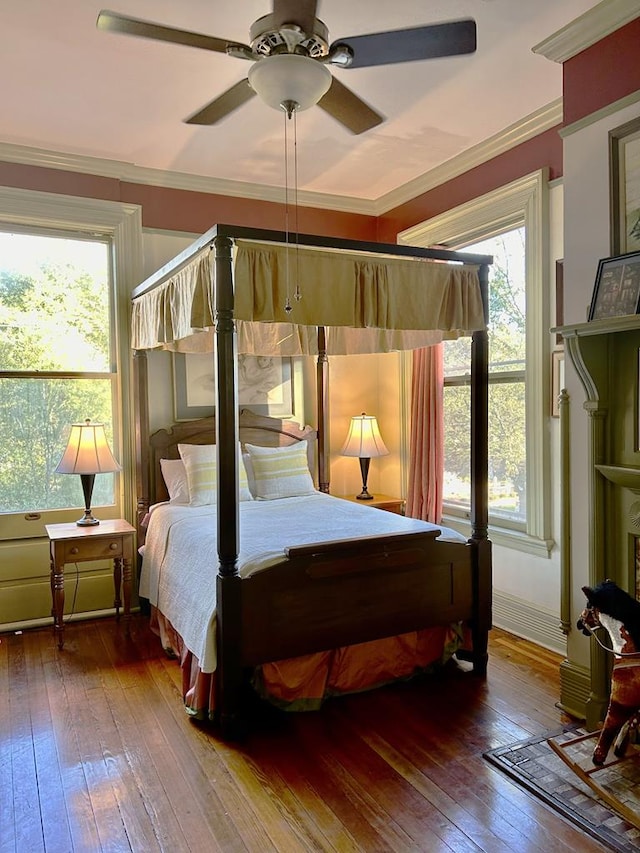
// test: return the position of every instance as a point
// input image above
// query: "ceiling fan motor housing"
(268, 39)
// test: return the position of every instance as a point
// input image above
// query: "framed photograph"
(265, 385)
(617, 288)
(624, 160)
(557, 380)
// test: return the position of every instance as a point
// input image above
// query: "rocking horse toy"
(613, 609)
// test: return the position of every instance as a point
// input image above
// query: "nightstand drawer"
(92, 549)
(386, 502)
(396, 506)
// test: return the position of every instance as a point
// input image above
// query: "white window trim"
(122, 224)
(522, 202)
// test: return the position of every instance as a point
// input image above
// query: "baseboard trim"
(47, 621)
(522, 619)
(575, 689)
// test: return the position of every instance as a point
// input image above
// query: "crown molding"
(532, 125)
(130, 173)
(587, 29)
(599, 115)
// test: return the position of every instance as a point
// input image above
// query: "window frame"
(524, 202)
(121, 225)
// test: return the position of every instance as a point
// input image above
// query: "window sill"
(517, 540)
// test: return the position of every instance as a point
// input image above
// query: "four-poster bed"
(232, 291)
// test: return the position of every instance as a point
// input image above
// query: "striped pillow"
(202, 474)
(280, 472)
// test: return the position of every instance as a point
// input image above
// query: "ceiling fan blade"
(300, 12)
(427, 42)
(116, 23)
(347, 108)
(224, 104)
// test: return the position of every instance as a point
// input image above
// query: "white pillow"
(280, 472)
(248, 467)
(202, 474)
(174, 475)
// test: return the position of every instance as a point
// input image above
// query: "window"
(64, 288)
(507, 421)
(507, 223)
(55, 363)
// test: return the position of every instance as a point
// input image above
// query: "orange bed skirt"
(303, 683)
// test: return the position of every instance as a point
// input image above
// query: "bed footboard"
(344, 592)
(340, 593)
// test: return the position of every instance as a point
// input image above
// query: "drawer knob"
(113, 546)
(75, 550)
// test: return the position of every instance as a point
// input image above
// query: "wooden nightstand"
(70, 543)
(380, 501)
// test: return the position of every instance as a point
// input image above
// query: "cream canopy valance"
(366, 303)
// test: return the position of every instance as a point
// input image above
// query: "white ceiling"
(68, 87)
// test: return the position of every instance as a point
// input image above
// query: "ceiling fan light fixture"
(289, 78)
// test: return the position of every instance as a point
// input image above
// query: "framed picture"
(617, 288)
(624, 160)
(557, 380)
(265, 385)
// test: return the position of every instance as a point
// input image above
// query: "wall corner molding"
(587, 29)
(534, 124)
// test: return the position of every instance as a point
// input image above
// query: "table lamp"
(87, 454)
(365, 442)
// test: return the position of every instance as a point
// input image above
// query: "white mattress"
(180, 560)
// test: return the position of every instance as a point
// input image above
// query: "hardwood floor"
(97, 754)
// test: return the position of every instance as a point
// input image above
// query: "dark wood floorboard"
(97, 754)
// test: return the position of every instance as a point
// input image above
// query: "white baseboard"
(521, 618)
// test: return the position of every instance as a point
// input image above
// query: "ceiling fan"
(290, 51)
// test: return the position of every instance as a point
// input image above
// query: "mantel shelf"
(606, 326)
(629, 478)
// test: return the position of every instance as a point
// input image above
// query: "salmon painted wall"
(185, 210)
(602, 74)
(543, 150)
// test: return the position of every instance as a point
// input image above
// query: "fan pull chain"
(297, 294)
(287, 303)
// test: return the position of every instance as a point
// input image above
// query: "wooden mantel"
(606, 356)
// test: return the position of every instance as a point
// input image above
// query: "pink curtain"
(426, 451)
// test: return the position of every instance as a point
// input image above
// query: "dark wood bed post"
(480, 479)
(322, 407)
(228, 606)
(141, 426)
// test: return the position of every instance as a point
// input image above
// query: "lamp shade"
(364, 439)
(288, 78)
(87, 451)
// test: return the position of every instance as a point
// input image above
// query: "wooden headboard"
(254, 429)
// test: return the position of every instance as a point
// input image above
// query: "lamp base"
(364, 496)
(364, 470)
(87, 520)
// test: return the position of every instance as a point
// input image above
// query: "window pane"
(507, 451)
(507, 342)
(35, 416)
(54, 304)
(507, 300)
(457, 426)
(457, 357)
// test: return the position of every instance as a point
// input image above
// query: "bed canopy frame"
(220, 293)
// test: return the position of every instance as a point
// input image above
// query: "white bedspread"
(180, 560)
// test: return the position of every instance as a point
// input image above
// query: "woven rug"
(535, 766)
